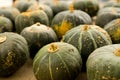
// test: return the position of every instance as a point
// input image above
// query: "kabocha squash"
(57, 6)
(43, 7)
(113, 3)
(105, 15)
(89, 6)
(66, 20)
(5, 24)
(11, 13)
(57, 61)
(23, 5)
(113, 29)
(13, 53)
(26, 19)
(37, 36)
(87, 38)
(104, 63)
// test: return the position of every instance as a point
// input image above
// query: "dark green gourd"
(13, 53)
(57, 61)
(26, 19)
(6, 24)
(66, 20)
(113, 29)
(104, 63)
(89, 6)
(87, 38)
(37, 36)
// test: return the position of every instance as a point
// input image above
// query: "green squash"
(112, 3)
(37, 36)
(89, 6)
(113, 29)
(23, 5)
(57, 61)
(11, 13)
(104, 63)
(57, 6)
(13, 53)
(5, 24)
(105, 15)
(26, 19)
(66, 20)
(43, 7)
(87, 38)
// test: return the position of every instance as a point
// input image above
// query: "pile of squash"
(63, 38)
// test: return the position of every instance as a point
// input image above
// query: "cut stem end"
(3, 39)
(53, 48)
(117, 52)
(86, 27)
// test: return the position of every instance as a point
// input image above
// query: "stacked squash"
(102, 63)
(61, 39)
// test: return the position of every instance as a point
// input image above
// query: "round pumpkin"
(26, 19)
(57, 6)
(23, 5)
(13, 53)
(87, 38)
(5, 24)
(104, 63)
(89, 6)
(66, 20)
(113, 29)
(11, 13)
(37, 36)
(105, 15)
(43, 7)
(57, 61)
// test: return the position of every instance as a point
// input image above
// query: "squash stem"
(3, 39)
(118, 0)
(117, 52)
(71, 8)
(38, 24)
(56, 1)
(86, 27)
(53, 48)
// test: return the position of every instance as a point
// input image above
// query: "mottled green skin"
(113, 29)
(11, 13)
(23, 5)
(76, 18)
(105, 15)
(89, 6)
(63, 64)
(37, 36)
(103, 64)
(5, 24)
(28, 18)
(43, 7)
(58, 6)
(13, 53)
(88, 40)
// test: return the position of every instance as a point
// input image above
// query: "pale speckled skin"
(103, 63)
